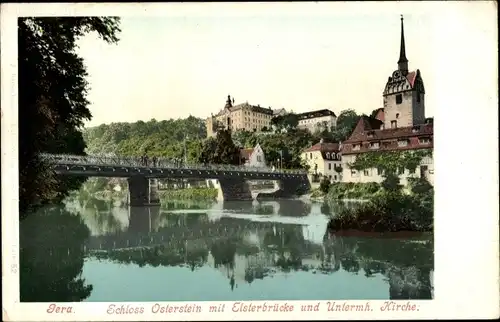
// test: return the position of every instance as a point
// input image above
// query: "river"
(94, 250)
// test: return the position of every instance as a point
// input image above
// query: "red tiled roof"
(388, 139)
(401, 132)
(246, 153)
(411, 76)
(380, 115)
(324, 147)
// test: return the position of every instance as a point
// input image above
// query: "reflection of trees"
(51, 257)
(294, 208)
(177, 254)
(406, 263)
(223, 252)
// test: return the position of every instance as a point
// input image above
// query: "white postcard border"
(466, 238)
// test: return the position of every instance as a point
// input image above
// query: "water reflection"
(52, 257)
(243, 241)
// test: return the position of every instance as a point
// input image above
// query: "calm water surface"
(94, 250)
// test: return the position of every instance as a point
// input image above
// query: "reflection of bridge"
(202, 231)
(143, 187)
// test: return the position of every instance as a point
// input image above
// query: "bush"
(391, 211)
(350, 190)
(189, 194)
(391, 182)
(324, 186)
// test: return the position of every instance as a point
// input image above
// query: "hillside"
(163, 138)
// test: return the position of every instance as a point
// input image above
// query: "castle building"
(400, 125)
(317, 120)
(239, 117)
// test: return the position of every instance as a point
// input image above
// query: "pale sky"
(336, 56)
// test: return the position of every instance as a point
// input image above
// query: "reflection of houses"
(324, 159)
(317, 120)
(253, 157)
(400, 126)
(239, 117)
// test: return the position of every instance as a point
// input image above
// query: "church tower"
(404, 94)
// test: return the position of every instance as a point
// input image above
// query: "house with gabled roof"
(253, 157)
(399, 126)
(324, 160)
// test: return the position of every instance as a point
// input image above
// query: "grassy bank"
(387, 210)
(189, 194)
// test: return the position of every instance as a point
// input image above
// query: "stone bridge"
(143, 183)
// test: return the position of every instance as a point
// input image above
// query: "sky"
(336, 56)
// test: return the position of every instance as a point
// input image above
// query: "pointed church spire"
(402, 62)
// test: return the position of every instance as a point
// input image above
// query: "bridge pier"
(287, 188)
(143, 191)
(231, 189)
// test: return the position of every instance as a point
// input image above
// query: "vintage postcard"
(249, 161)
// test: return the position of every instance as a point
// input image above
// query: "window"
(370, 134)
(401, 170)
(334, 177)
(424, 140)
(329, 166)
(380, 171)
(402, 143)
(259, 158)
(328, 155)
(366, 173)
(310, 155)
(399, 99)
(394, 124)
(415, 129)
(353, 172)
(418, 97)
(397, 115)
(356, 146)
(374, 145)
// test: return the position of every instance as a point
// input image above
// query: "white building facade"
(317, 120)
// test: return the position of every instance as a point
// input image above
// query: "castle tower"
(228, 102)
(404, 93)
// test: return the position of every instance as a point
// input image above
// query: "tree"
(52, 100)
(346, 122)
(220, 150)
(324, 185)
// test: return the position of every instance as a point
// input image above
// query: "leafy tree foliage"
(52, 99)
(391, 163)
(168, 138)
(324, 186)
(220, 150)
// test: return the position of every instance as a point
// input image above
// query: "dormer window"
(394, 124)
(399, 99)
(415, 129)
(328, 155)
(356, 147)
(403, 143)
(374, 145)
(424, 140)
(370, 134)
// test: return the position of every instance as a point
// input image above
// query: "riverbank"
(189, 194)
(397, 210)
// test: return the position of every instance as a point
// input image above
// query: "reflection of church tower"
(404, 93)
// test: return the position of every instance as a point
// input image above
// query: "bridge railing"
(102, 160)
